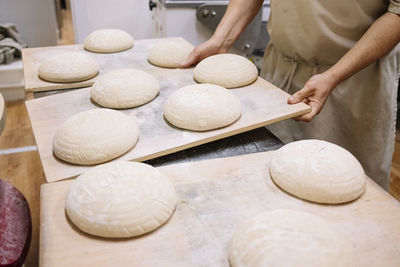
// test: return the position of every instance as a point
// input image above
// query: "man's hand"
(314, 93)
(206, 49)
(380, 38)
(238, 14)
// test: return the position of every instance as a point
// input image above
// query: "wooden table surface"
(262, 104)
(215, 197)
(24, 169)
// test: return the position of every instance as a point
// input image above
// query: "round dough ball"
(170, 54)
(95, 136)
(120, 199)
(68, 67)
(289, 238)
(318, 171)
(202, 107)
(227, 70)
(108, 41)
(124, 88)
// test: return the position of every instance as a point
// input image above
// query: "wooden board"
(135, 57)
(2, 113)
(215, 197)
(262, 104)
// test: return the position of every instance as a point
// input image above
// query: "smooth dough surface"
(202, 107)
(108, 41)
(95, 136)
(124, 88)
(68, 67)
(289, 238)
(318, 171)
(227, 70)
(120, 199)
(170, 54)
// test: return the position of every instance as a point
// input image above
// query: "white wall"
(179, 21)
(132, 16)
(35, 20)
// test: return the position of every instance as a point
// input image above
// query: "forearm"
(380, 38)
(238, 14)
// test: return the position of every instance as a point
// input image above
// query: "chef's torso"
(320, 32)
(309, 36)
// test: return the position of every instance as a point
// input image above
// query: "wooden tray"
(262, 104)
(215, 197)
(135, 57)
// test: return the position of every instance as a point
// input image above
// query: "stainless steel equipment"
(197, 20)
(252, 41)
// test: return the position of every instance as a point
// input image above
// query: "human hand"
(314, 93)
(206, 49)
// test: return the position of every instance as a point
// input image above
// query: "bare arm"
(380, 38)
(238, 14)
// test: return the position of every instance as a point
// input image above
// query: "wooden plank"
(2, 113)
(17, 131)
(24, 171)
(262, 104)
(215, 197)
(135, 57)
(394, 186)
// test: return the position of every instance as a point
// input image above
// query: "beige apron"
(307, 37)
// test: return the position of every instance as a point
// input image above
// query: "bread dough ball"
(202, 107)
(120, 199)
(68, 67)
(289, 238)
(318, 171)
(170, 54)
(124, 88)
(95, 136)
(108, 41)
(227, 70)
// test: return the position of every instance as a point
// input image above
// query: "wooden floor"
(67, 30)
(24, 170)
(394, 188)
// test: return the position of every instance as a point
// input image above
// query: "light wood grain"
(17, 131)
(262, 104)
(67, 29)
(215, 197)
(394, 187)
(2, 113)
(135, 57)
(24, 171)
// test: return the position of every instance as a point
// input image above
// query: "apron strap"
(287, 80)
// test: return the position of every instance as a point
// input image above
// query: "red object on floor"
(15, 226)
